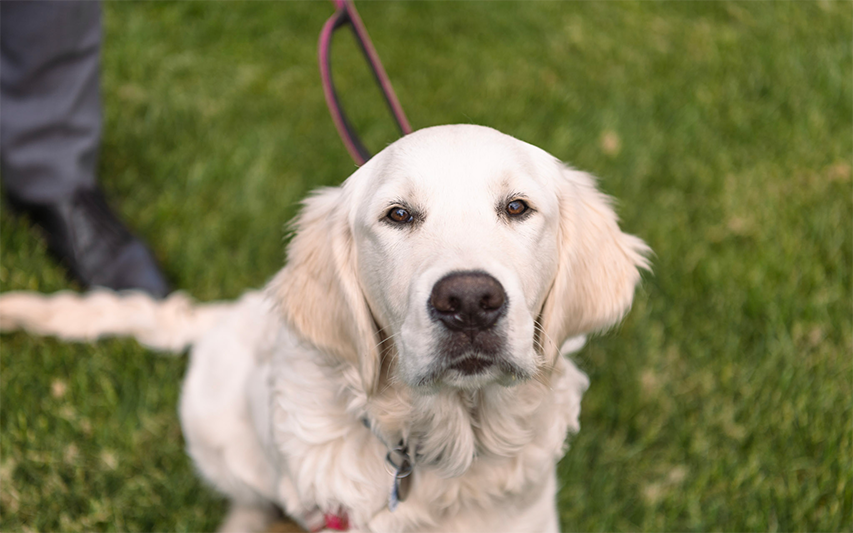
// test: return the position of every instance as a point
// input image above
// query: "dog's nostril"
(467, 301)
(491, 301)
(447, 305)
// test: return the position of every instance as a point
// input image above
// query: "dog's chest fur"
(484, 458)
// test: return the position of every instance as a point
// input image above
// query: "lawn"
(725, 131)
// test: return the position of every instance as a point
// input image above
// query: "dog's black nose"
(468, 301)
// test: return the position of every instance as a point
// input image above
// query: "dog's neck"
(448, 428)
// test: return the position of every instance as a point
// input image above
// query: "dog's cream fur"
(281, 383)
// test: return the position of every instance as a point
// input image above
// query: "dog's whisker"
(386, 339)
(544, 335)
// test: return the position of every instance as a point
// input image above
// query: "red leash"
(346, 14)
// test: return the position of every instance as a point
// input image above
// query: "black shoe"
(98, 250)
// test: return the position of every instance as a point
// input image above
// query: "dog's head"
(470, 254)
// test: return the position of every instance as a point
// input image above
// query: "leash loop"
(346, 14)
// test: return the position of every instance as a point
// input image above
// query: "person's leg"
(50, 125)
(50, 128)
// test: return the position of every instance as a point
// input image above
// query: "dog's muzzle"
(469, 304)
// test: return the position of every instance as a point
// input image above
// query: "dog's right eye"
(399, 215)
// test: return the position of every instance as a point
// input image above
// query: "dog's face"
(473, 253)
(456, 243)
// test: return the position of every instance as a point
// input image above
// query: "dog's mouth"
(471, 353)
(471, 365)
(468, 359)
(474, 370)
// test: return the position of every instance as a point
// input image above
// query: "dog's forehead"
(469, 160)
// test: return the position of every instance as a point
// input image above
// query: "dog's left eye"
(399, 215)
(516, 208)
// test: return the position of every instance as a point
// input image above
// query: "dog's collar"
(400, 458)
(332, 522)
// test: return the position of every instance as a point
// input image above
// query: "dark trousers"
(50, 109)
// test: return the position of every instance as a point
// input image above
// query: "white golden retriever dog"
(403, 372)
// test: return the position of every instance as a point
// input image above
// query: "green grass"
(725, 130)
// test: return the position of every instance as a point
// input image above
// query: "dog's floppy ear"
(318, 292)
(598, 265)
